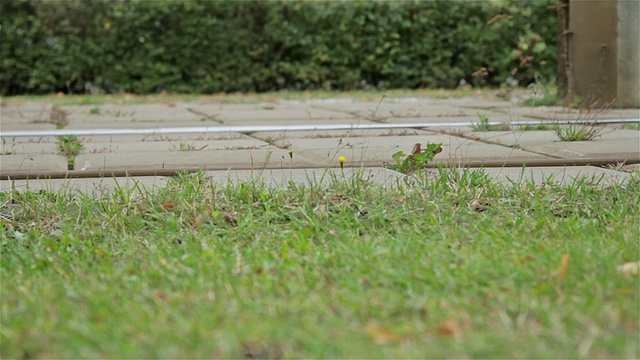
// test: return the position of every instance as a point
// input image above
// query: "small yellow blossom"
(342, 159)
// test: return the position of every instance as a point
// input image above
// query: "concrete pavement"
(236, 153)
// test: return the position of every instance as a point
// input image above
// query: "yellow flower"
(342, 159)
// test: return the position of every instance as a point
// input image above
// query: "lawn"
(444, 266)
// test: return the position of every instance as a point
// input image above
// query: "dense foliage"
(79, 46)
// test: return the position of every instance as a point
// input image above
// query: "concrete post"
(605, 52)
(628, 53)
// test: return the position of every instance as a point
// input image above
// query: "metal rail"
(284, 128)
(21, 175)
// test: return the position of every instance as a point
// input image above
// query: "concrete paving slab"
(375, 151)
(26, 126)
(588, 149)
(307, 177)
(385, 110)
(223, 159)
(28, 140)
(161, 137)
(14, 148)
(511, 138)
(136, 124)
(115, 139)
(625, 113)
(172, 146)
(25, 113)
(423, 112)
(319, 134)
(475, 102)
(356, 143)
(629, 126)
(89, 186)
(561, 113)
(460, 131)
(265, 112)
(123, 113)
(458, 150)
(280, 135)
(611, 143)
(467, 102)
(556, 175)
(38, 162)
(267, 122)
(474, 119)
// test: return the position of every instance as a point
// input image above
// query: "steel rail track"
(284, 128)
(22, 175)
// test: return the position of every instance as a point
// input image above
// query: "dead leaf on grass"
(450, 328)
(160, 296)
(630, 268)
(165, 206)
(380, 335)
(197, 221)
(525, 259)
(564, 264)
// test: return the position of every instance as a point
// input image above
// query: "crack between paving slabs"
(488, 142)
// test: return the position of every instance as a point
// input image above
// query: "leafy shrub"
(190, 46)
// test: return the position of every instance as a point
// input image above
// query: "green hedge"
(223, 46)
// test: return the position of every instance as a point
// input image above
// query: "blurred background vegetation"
(189, 46)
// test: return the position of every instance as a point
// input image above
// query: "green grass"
(448, 266)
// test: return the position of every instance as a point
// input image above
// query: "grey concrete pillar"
(604, 52)
(628, 53)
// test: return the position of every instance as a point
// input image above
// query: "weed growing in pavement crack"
(540, 126)
(483, 125)
(586, 126)
(187, 147)
(633, 126)
(578, 131)
(419, 157)
(69, 146)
